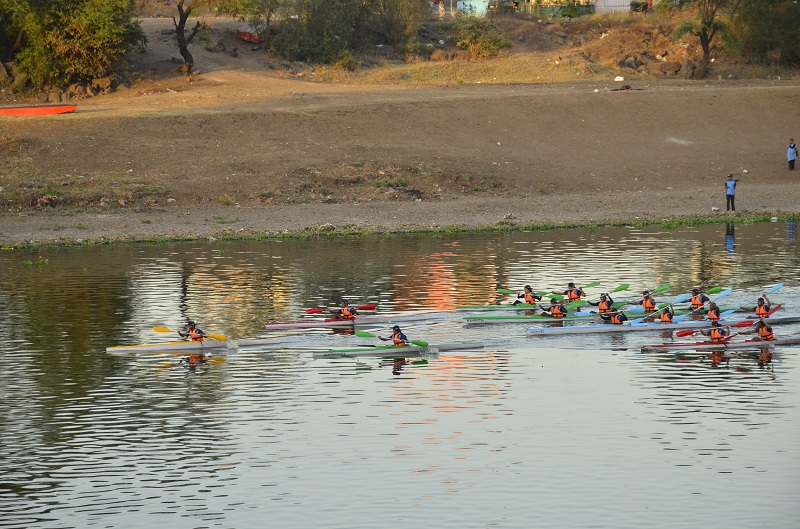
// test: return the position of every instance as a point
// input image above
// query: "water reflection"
(730, 238)
(88, 438)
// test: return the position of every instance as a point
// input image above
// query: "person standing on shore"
(791, 153)
(730, 193)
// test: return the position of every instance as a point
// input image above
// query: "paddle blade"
(682, 298)
(723, 293)
(159, 328)
(364, 334)
(592, 284)
(420, 343)
(745, 323)
(218, 337)
(714, 290)
(687, 332)
(623, 286)
(680, 318)
(367, 306)
(315, 310)
(775, 288)
(726, 313)
(660, 289)
(505, 291)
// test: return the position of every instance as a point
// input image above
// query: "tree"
(57, 42)
(706, 25)
(180, 32)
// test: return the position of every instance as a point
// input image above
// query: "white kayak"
(191, 347)
(638, 327)
(398, 351)
(339, 323)
(725, 346)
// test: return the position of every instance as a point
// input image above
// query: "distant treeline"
(59, 42)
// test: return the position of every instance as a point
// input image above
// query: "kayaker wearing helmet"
(605, 305)
(763, 307)
(647, 302)
(556, 309)
(716, 332)
(713, 311)
(398, 338)
(196, 335)
(763, 329)
(529, 296)
(573, 293)
(699, 299)
(346, 312)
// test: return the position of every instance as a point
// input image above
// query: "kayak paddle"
(775, 288)
(218, 337)
(365, 334)
(623, 286)
(660, 289)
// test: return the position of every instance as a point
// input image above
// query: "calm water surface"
(581, 431)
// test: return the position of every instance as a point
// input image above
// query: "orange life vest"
(196, 335)
(530, 298)
(397, 340)
(617, 319)
(762, 311)
(698, 302)
(765, 333)
(713, 314)
(717, 335)
(574, 294)
(347, 313)
(649, 305)
(557, 311)
(666, 317)
(605, 306)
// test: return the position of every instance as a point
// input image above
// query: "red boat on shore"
(42, 110)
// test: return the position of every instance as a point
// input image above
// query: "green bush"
(481, 37)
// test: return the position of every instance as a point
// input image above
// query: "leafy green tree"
(57, 42)
(767, 30)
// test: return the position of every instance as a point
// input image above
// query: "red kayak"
(32, 111)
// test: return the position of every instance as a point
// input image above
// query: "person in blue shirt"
(730, 186)
(791, 153)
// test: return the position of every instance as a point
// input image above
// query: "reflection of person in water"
(730, 240)
(791, 233)
(397, 365)
(194, 360)
(717, 357)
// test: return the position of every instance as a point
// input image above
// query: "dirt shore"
(240, 150)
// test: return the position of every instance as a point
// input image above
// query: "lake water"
(575, 432)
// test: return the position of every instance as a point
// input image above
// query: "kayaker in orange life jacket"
(573, 293)
(699, 299)
(713, 311)
(196, 335)
(556, 309)
(716, 332)
(529, 296)
(615, 318)
(666, 316)
(763, 329)
(398, 338)
(647, 302)
(763, 307)
(346, 312)
(605, 305)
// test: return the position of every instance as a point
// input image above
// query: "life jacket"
(717, 334)
(530, 298)
(399, 338)
(347, 313)
(765, 333)
(197, 359)
(666, 317)
(617, 318)
(574, 294)
(713, 314)
(649, 305)
(605, 306)
(196, 335)
(698, 302)
(558, 311)
(762, 311)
